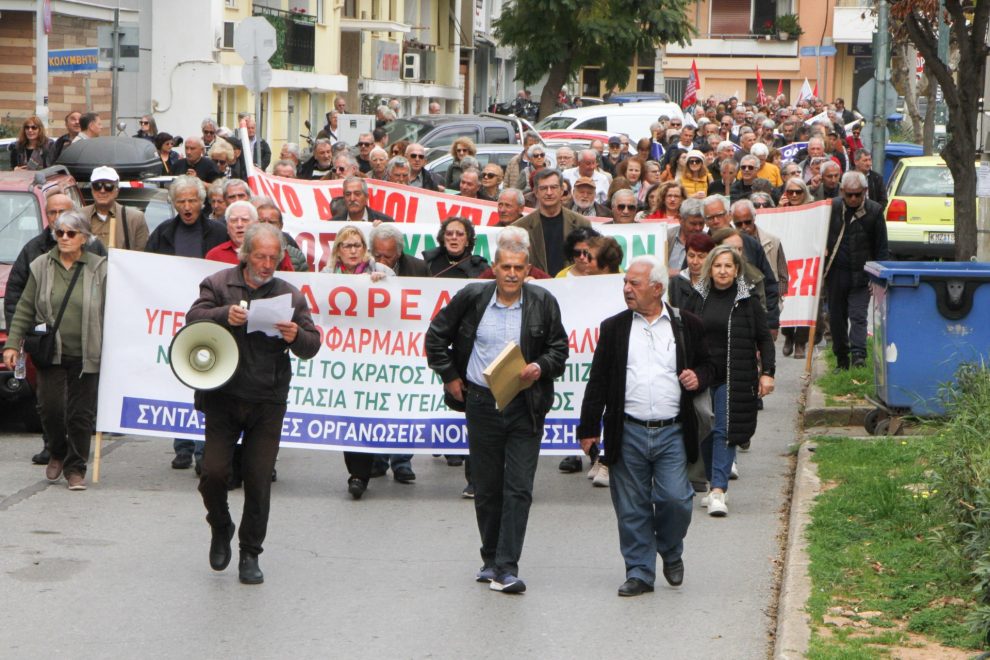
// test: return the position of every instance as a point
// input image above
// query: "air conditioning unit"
(410, 66)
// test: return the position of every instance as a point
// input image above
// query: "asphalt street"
(121, 571)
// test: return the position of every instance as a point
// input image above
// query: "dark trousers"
(261, 425)
(359, 464)
(67, 401)
(847, 308)
(504, 449)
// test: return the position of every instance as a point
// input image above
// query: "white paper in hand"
(266, 312)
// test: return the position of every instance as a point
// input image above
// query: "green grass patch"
(872, 550)
(847, 386)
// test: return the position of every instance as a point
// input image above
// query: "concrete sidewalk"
(121, 570)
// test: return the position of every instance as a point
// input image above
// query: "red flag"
(761, 95)
(780, 87)
(814, 92)
(691, 91)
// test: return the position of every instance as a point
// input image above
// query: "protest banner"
(369, 387)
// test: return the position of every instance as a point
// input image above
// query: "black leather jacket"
(450, 339)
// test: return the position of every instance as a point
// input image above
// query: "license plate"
(941, 237)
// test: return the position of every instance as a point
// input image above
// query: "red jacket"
(227, 253)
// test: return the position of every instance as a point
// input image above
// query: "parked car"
(5, 144)
(638, 97)
(894, 152)
(133, 158)
(442, 130)
(22, 217)
(438, 159)
(920, 212)
(633, 119)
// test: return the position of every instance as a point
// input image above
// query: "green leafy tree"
(962, 87)
(557, 37)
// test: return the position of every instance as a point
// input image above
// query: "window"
(593, 124)
(730, 17)
(496, 135)
(350, 9)
(230, 4)
(228, 34)
(591, 82)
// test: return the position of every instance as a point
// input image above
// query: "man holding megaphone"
(247, 403)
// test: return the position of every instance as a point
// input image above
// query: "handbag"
(40, 344)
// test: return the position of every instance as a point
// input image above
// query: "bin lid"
(911, 273)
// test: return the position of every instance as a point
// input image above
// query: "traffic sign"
(255, 37)
(818, 51)
(264, 76)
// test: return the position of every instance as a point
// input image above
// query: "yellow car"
(920, 211)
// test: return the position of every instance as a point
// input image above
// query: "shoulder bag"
(40, 345)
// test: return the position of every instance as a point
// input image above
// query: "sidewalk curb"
(793, 621)
(816, 413)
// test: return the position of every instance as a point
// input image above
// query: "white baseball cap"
(104, 174)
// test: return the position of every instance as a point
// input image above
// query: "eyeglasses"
(144, 123)
(416, 156)
(748, 167)
(626, 207)
(365, 144)
(70, 233)
(577, 254)
(538, 155)
(352, 246)
(30, 128)
(716, 215)
(104, 186)
(853, 193)
(461, 150)
(761, 205)
(743, 223)
(548, 188)
(488, 175)
(673, 125)
(340, 169)
(794, 192)
(209, 132)
(694, 161)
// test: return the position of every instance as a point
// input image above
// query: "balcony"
(295, 38)
(726, 45)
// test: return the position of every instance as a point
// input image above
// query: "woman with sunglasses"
(147, 128)
(74, 279)
(32, 150)
(491, 180)
(796, 193)
(576, 247)
(398, 148)
(163, 145)
(537, 161)
(695, 179)
(460, 149)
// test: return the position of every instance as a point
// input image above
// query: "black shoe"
(858, 362)
(248, 570)
(570, 464)
(759, 404)
(378, 471)
(455, 461)
(635, 587)
(182, 461)
(468, 492)
(403, 475)
(220, 546)
(198, 466)
(673, 572)
(788, 346)
(42, 457)
(274, 475)
(356, 487)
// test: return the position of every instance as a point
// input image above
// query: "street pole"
(881, 63)
(943, 55)
(115, 35)
(257, 112)
(41, 62)
(659, 83)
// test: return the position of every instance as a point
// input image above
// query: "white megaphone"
(203, 355)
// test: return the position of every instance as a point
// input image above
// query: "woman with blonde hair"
(460, 149)
(695, 177)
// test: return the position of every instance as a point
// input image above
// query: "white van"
(633, 119)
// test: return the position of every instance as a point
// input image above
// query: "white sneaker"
(734, 472)
(601, 478)
(716, 505)
(706, 499)
(594, 469)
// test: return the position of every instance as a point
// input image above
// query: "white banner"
(803, 232)
(368, 388)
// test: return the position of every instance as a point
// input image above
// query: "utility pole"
(115, 35)
(41, 61)
(881, 63)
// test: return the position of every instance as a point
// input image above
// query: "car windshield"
(926, 182)
(20, 221)
(404, 129)
(554, 123)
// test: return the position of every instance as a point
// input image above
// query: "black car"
(442, 130)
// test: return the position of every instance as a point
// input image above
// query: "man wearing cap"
(583, 200)
(116, 226)
(587, 166)
(616, 154)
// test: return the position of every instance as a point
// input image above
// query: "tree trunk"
(960, 156)
(555, 82)
(928, 137)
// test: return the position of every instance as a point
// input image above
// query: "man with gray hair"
(649, 363)
(356, 209)
(397, 170)
(196, 161)
(209, 130)
(284, 168)
(419, 176)
(466, 336)
(749, 165)
(251, 406)
(565, 158)
(290, 151)
(320, 164)
(240, 215)
(270, 213)
(857, 233)
(511, 203)
(692, 222)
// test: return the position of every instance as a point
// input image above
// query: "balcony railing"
(295, 38)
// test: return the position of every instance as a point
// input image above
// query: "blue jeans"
(715, 449)
(652, 497)
(395, 460)
(194, 447)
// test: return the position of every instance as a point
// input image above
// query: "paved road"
(121, 570)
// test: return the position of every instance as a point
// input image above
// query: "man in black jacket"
(356, 209)
(863, 161)
(463, 339)
(189, 234)
(857, 233)
(649, 363)
(43, 243)
(252, 402)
